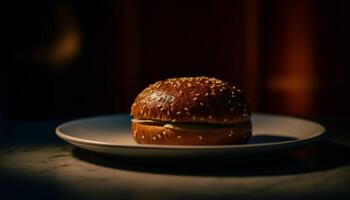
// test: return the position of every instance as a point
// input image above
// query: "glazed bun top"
(191, 100)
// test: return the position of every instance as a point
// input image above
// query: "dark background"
(78, 58)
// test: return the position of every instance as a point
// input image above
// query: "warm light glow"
(294, 76)
(66, 39)
(64, 49)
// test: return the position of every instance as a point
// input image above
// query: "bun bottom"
(153, 134)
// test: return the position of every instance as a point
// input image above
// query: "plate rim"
(305, 140)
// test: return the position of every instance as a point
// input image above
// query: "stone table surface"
(35, 164)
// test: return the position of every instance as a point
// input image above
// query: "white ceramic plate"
(111, 135)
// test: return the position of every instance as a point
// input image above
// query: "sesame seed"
(210, 117)
(195, 98)
(201, 118)
(200, 137)
(187, 113)
(160, 137)
(213, 94)
(231, 131)
(197, 94)
(230, 134)
(180, 91)
(178, 113)
(162, 109)
(238, 90)
(143, 137)
(168, 112)
(186, 109)
(189, 84)
(141, 112)
(206, 94)
(173, 120)
(231, 109)
(135, 131)
(201, 104)
(225, 120)
(179, 136)
(193, 117)
(221, 90)
(154, 138)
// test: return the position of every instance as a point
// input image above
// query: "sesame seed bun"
(181, 107)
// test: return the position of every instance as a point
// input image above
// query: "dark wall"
(73, 58)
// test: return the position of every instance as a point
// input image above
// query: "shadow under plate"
(319, 156)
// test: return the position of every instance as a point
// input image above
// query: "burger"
(191, 111)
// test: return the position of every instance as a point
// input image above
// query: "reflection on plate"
(111, 135)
